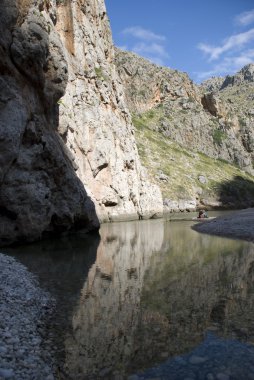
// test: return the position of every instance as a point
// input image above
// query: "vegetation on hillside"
(177, 170)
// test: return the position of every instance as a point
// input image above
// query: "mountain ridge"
(172, 107)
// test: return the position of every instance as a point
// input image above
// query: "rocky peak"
(245, 75)
(147, 85)
(212, 84)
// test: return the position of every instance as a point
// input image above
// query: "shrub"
(218, 136)
(99, 73)
(150, 114)
(242, 122)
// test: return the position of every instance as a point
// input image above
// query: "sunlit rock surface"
(95, 122)
(68, 155)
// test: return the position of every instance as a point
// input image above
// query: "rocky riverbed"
(237, 225)
(25, 344)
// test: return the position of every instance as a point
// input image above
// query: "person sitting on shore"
(202, 214)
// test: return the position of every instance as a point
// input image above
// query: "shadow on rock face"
(40, 191)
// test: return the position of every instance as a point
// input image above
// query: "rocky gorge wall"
(197, 117)
(95, 121)
(68, 154)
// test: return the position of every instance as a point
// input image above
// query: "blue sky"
(204, 38)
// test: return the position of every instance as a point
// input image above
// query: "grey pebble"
(197, 359)
(222, 376)
(6, 373)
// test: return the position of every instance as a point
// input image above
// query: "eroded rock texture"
(61, 157)
(94, 120)
(202, 118)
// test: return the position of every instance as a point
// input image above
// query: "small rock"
(50, 377)
(3, 350)
(202, 179)
(6, 373)
(105, 371)
(197, 359)
(222, 376)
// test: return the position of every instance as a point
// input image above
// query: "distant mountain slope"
(237, 94)
(167, 105)
(188, 179)
(183, 111)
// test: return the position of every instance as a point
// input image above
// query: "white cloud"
(156, 53)
(244, 58)
(229, 65)
(143, 34)
(245, 18)
(147, 44)
(153, 49)
(230, 44)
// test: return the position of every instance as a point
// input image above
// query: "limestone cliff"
(182, 111)
(68, 154)
(193, 139)
(95, 122)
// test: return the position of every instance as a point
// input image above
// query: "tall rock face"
(65, 163)
(94, 121)
(193, 116)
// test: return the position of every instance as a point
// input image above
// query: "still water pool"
(149, 300)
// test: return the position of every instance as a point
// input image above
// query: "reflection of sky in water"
(149, 297)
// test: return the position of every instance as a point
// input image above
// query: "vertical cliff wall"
(94, 121)
(66, 141)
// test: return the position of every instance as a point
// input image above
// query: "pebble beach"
(25, 308)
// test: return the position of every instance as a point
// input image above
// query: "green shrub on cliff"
(218, 136)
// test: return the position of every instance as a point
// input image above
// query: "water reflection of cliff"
(153, 291)
(105, 321)
(197, 283)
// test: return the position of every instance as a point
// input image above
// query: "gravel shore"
(24, 310)
(236, 225)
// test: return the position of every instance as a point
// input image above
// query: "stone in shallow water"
(197, 359)
(222, 376)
